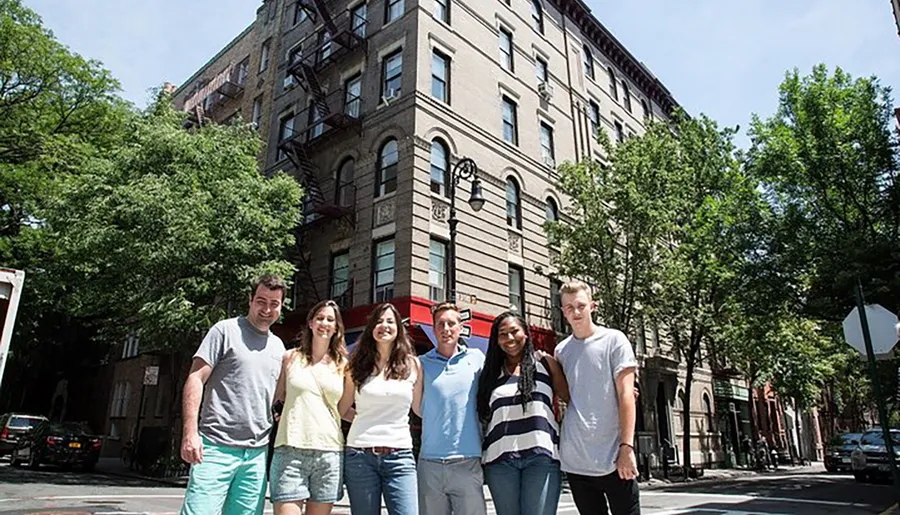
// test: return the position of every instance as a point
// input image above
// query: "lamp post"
(465, 169)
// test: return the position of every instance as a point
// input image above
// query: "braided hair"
(493, 373)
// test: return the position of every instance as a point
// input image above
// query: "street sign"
(882, 327)
(466, 331)
(151, 376)
(465, 315)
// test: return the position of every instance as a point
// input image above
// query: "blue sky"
(721, 57)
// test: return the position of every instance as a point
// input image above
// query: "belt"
(378, 451)
(450, 461)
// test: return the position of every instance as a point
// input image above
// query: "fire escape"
(328, 115)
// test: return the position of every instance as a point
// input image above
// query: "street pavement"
(53, 491)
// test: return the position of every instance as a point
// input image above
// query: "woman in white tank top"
(382, 378)
(307, 464)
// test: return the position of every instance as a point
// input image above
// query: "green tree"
(659, 230)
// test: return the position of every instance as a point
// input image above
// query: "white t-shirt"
(589, 441)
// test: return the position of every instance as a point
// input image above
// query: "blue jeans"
(368, 476)
(524, 486)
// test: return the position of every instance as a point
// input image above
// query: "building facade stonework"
(371, 104)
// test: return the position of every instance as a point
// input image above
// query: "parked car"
(837, 453)
(60, 443)
(869, 460)
(13, 426)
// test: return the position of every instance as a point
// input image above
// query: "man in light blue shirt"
(449, 470)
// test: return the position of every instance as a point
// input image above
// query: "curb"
(177, 482)
(661, 484)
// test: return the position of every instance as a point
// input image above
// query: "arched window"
(552, 211)
(613, 87)
(440, 168)
(343, 187)
(707, 410)
(588, 62)
(513, 204)
(386, 179)
(537, 16)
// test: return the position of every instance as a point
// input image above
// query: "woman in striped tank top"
(515, 401)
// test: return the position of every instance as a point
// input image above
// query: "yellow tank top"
(309, 421)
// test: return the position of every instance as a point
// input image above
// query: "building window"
(285, 132)
(340, 274)
(440, 167)
(588, 62)
(383, 280)
(393, 10)
(551, 210)
(613, 88)
(440, 77)
(299, 13)
(620, 132)
(506, 49)
(317, 127)
(626, 96)
(387, 168)
(437, 271)
(594, 115)
(547, 153)
(510, 122)
(442, 10)
(516, 290)
(537, 16)
(540, 70)
(352, 93)
(121, 394)
(557, 320)
(513, 204)
(707, 411)
(392, 74)
(264, 56)
(243, 70)
(257, 111)
(646, 109)
(324, 46)
(358, 20)
(343, 191)
(132, 344)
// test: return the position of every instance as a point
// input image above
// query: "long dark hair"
(493, 365)
(337, 350)
(364, 357)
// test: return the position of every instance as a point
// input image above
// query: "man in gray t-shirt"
(234, 371)
(596, 446)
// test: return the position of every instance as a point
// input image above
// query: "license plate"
(75, 445)
(845, 460)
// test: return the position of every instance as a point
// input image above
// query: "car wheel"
(860, 477)
(13, 461)
(830, 469)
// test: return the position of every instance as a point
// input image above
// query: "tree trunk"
(754, 429)
(686, 415)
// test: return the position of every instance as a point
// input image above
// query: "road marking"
(91, 497)
(892, 509)
(746, 498)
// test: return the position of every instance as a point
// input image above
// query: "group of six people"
(486, 419)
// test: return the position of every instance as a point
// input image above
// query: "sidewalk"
(718, 476)
(115, 467)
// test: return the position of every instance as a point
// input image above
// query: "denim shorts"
(306, 474)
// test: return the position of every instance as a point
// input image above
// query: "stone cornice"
(580, 13)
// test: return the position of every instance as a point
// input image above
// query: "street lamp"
(468, 170)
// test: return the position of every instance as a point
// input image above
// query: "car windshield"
(850, 438)
(877, 438)
(68, 428)
(23, 422)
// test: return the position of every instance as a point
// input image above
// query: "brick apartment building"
(370, 105)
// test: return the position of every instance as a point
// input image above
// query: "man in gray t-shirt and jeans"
(238, 364)
(596, 445)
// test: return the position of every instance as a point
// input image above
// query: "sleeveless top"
(382, 413)
(514, 432)
(309, 421)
